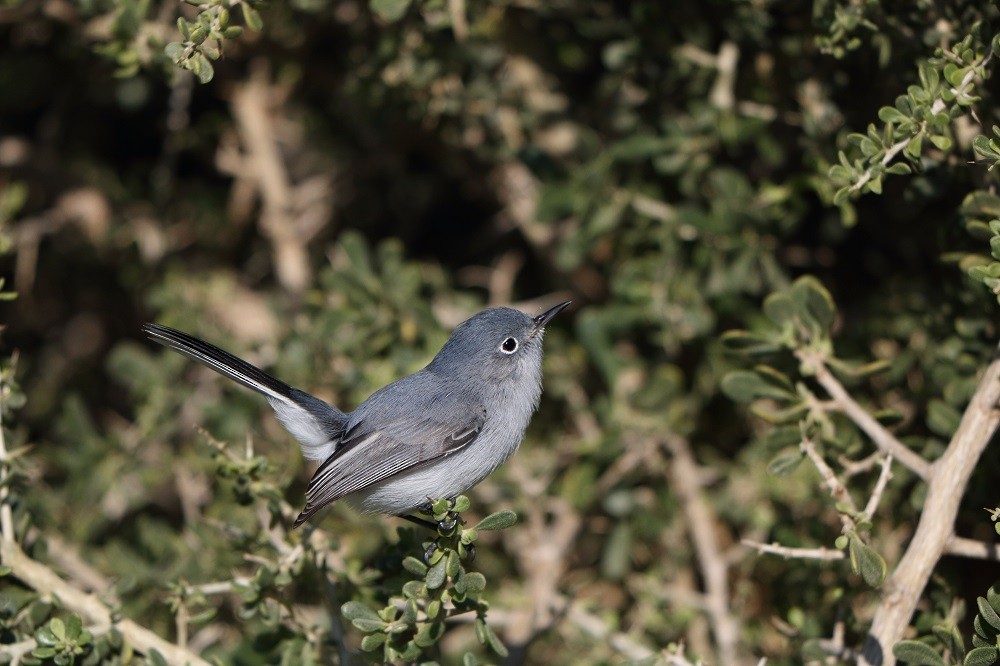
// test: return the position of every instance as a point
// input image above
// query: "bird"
(434, 433)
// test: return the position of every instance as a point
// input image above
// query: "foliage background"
(350, 184)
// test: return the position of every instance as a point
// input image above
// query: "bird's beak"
(544, 318)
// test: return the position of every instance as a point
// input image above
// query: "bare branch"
(596, 627)
(837, 489)
(6, 515)
(702, 524)
(883, 481)
(45, 581)
(979, 550)
(947, 481)
(795, 553)
(846, 404)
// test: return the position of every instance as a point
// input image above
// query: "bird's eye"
(509, 346)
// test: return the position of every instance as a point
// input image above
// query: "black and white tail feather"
(316, 424)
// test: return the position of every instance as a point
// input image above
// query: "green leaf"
(841, 196)
(916, 653)
(475, 582)
(749, 342)
(817, 301)
(950, 638)
(942, 142)
(779, 308)
(174, 51)
(355, 610)
(744, 386)
(988, 613)
(373, 641)
(497, 521)
(252, 17)
(981, 144)
(58, 628)
(942, 418)
(984, 630)
(414, 566)
(436, 575)
(982, 656)
(74, 625)
(369, 626)
(390, 10)
(915, 145)
(866, 562)
(493, 641)
(890, 114)
(784, 464)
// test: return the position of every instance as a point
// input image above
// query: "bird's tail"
(316, 424)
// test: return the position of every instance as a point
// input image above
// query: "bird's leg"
(445, 525)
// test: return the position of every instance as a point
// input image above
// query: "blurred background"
(352, 180)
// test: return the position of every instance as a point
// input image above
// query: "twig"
(459, 24)
(6, 515)
(947, 481)
(855, 467)
(596, 627)
(795, 553)
(883, 481)
(979, 550)
(845, 403)
(837, 489)
(937, 107)
(702, 527)
(45, 581)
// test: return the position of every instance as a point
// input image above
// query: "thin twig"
(789, 553)
(880, 485)
(837, 489)
(846, 404)
(459, 23)
(597, 628)
(980, 550)
(937, 107)
(702, 523)
(6, 515)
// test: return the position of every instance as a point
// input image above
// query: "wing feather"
(368, 455)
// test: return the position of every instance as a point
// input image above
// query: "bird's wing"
(389, 442)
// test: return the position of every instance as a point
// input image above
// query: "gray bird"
(435, 433)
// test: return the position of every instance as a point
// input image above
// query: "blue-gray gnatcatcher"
(435, 433)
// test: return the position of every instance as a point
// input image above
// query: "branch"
(6, 515)
(795, 553)
(684, 474)
(979, 550)
(837, 489)
(946, 483)
(596, 627)
(937, 107)
(45, 581)
(844, 403)
(883, 481)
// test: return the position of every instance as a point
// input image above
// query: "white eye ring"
(509, 346)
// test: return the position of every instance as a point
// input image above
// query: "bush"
(764, 420)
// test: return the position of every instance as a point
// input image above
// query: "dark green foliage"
(439, 588)
(352, 178)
